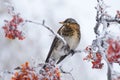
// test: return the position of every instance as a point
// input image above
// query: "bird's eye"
(67, 23)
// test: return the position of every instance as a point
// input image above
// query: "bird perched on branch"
(70, 32)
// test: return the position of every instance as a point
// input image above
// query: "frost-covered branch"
(105, 46)
(103, 17)
(64, 72)
(51, 30)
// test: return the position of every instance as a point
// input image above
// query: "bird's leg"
(64, 56)
(72, 52)
(66, 48)
(61, 58)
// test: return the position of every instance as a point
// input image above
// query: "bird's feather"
(54, 43)
(51, 48)
(70, 31)
(61, 58)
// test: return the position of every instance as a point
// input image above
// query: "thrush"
(70, 31)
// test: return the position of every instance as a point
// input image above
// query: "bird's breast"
(71, 35)
(72, 41)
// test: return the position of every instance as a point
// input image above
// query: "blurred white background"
(38, 39)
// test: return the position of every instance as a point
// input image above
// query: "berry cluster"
(49, 72)
(11, 28)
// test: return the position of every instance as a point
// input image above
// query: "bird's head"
(69, 21)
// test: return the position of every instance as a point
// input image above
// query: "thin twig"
(78, 51)
(109, 72)
(113, 20)
(62, 71)
(116, 73)
(43, 24)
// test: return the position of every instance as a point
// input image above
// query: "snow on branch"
(11, 26)
(103, 17)
(105, 46)
(53, 32)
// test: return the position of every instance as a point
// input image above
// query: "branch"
(109, 72)
(62, 71)
(113, 20)
(5, 74)
(43, 24)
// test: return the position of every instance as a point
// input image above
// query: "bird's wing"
(61, 58)
(64, 56)
(54, 44)
(51, 48)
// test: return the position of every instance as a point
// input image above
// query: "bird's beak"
(61, 22)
